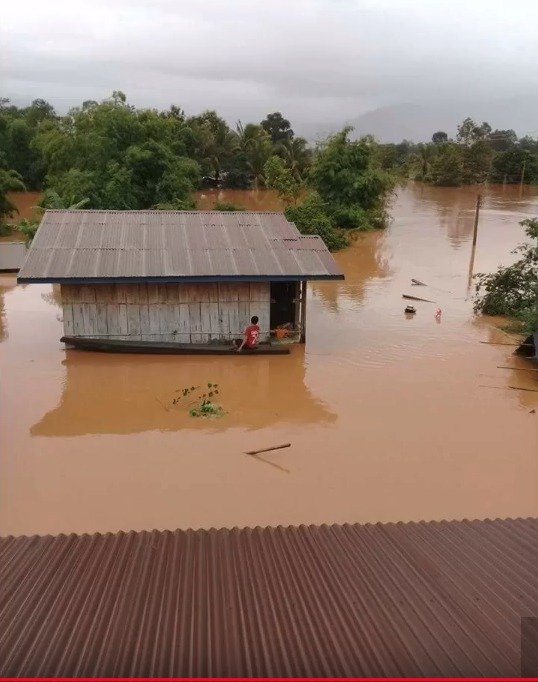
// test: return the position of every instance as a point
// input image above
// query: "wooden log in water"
(519, 369)
(503, 343)
(417, 282)
(275, 447)
(521, 388)
(416, 298)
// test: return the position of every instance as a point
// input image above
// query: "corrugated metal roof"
(173, 246)
(438, 599)
(12, 255)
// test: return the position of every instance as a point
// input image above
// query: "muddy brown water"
(390, 418)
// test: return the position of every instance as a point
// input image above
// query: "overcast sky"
(317, 61)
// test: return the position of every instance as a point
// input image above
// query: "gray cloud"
(318, 61)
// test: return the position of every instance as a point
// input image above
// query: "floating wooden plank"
(274, 447)
(416, 298)
(518, 369)
(503, 343)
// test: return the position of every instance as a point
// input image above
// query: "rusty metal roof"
(81, 246)
(435, 599)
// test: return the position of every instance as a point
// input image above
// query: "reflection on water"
(252, 200)
(390, 417)
(7, 282)
(114, 394)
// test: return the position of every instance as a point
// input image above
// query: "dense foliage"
(478, 154)
(112, 155)
(513, 290)
(10, 181)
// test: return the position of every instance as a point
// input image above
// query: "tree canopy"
(478, 154)
(112, 155)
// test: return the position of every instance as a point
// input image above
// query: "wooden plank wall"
(187, 313)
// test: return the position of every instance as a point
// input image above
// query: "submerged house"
(185, 276)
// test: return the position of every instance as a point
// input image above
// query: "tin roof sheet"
(78, 245)
(434, 599)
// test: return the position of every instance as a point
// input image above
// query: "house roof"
(415, 599)
(78, 246)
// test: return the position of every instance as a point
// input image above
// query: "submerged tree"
(513, 290)
(447, 167)
(10, 181)
(281, 179)
(347, 177)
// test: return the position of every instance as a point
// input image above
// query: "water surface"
(390, 418)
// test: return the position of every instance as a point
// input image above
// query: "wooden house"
(185, 276)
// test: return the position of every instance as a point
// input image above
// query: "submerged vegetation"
(477, 154)
(204, 405)
(112, 155)
(513, 290)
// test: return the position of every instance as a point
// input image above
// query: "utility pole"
(476, 214)
(522, 173)
(473, 250)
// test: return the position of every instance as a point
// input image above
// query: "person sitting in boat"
(251, 335)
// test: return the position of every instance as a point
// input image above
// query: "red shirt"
(252, 335)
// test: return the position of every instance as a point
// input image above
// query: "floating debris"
(416, 298)
(274, 447)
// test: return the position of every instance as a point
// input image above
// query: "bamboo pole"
(519, 369)
(275, 447)
(502, 343)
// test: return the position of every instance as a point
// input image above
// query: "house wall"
(187, 313)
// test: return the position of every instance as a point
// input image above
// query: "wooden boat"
(165, 347)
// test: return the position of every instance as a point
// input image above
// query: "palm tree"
(297, 156)
(218, 142)
(255, 144)
(51, 199)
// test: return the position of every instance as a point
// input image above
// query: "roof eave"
(200, 279)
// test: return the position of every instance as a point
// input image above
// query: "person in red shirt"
(251, 335)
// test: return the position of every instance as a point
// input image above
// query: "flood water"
(390, 418)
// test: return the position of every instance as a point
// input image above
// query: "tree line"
(477, 154)
(112, 155)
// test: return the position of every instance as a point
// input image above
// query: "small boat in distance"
(166, 347)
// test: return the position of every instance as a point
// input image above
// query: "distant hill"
(418, 122)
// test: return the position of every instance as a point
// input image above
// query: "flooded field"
(390, 418)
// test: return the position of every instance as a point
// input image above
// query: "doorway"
(283, 304)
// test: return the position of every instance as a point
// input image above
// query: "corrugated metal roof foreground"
(434, 599)
(78, 245)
